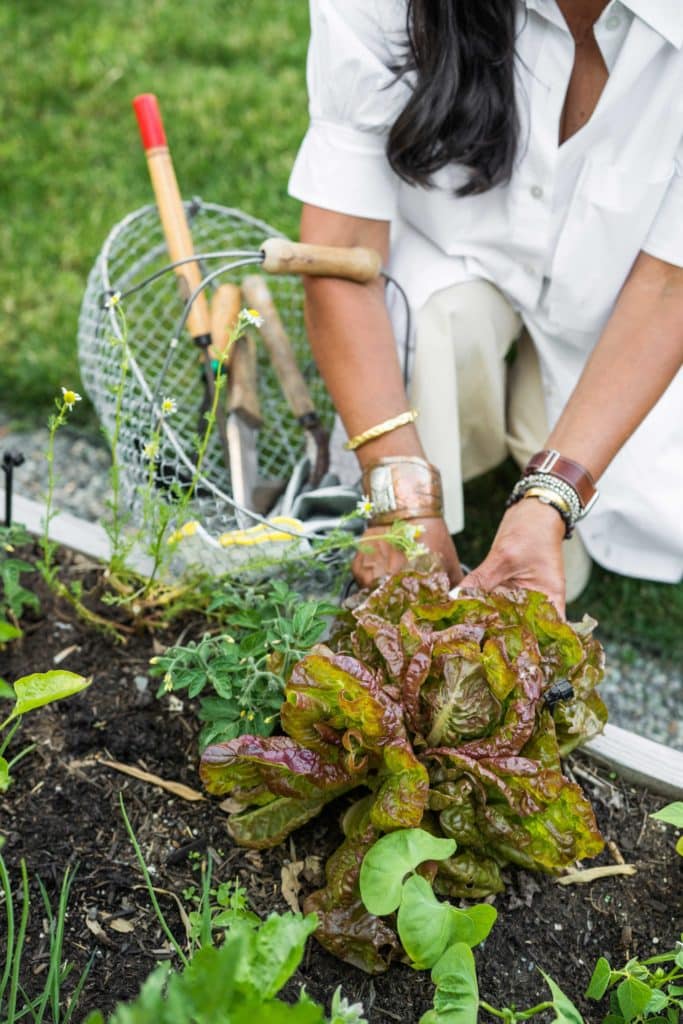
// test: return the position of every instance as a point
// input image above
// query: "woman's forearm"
(352, 339)
(637, 357)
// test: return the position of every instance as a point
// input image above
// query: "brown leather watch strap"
(551, 462)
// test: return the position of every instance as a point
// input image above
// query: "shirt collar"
(664, 16)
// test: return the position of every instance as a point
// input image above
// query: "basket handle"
(280, 256)
(172, 213)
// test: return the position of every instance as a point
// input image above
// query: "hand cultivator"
(159, 307)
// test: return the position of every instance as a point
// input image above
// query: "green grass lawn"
(230, 77)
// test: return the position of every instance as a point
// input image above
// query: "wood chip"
(592, 874)
(98, 931)
(119, 924)
(615, 852)
(177, 788)
(290, 886)
(61, 655)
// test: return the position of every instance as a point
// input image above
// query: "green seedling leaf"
(6, 690)
(600, 979)
(9, 632)
(427, 926)
(5, 777)
(456, 1000)
(45, 687)
(424, 923)
(566, 1012)
(658, 1001)
(679, 847)
(472, 925)
(633, 996)
(672, 814)
(391, 858)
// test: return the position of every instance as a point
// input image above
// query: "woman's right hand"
(378, 558)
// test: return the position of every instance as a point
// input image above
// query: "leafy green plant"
(643, 990)
(236, 983)
(672, 814)
(438, 707)
(14, 597)
(271, 629)
(14, 1003)
(31, 692)
(395, 876)
(235, 980)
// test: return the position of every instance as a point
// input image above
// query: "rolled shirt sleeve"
(665, 238)
(354, 98)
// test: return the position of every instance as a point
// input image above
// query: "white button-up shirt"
(559, 240)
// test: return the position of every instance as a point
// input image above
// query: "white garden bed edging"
(637, 759)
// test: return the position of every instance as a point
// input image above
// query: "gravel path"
(643, 693)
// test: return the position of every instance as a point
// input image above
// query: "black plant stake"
(9, 461)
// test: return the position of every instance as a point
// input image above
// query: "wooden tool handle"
(226, 303)
(243, 381)
(284, 257)
(257, 295)
(171, 209)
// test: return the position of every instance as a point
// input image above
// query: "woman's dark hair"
(462, 108)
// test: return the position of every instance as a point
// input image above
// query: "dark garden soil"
(63, 810)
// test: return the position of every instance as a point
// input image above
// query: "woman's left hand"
(526, 552)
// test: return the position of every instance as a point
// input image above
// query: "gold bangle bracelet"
(385, 427)
(550, 497)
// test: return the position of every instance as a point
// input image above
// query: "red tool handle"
(172, 212)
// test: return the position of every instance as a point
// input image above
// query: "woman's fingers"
(526, 552)
(377, 558)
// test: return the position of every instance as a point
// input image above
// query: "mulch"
(63, 809)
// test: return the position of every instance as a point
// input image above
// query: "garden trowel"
(244, 414)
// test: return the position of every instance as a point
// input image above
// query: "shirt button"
(536, 191)
(614, 21)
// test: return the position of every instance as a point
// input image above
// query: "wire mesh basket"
(164, 363)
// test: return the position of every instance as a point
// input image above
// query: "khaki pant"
(474, 408)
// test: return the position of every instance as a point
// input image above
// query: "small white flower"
(252, 316)
(151, 450)
(168, 406)
(70, 397)
(112, 300)
(365, 508)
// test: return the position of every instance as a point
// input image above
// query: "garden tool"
(180, 248)
(257, 294)
(244, 413)
(322, 508)
(130, 363)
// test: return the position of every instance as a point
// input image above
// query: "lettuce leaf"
(436, 707)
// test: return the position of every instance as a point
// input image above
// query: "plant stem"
(9, 912)
(150, 886)
(19, 948)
